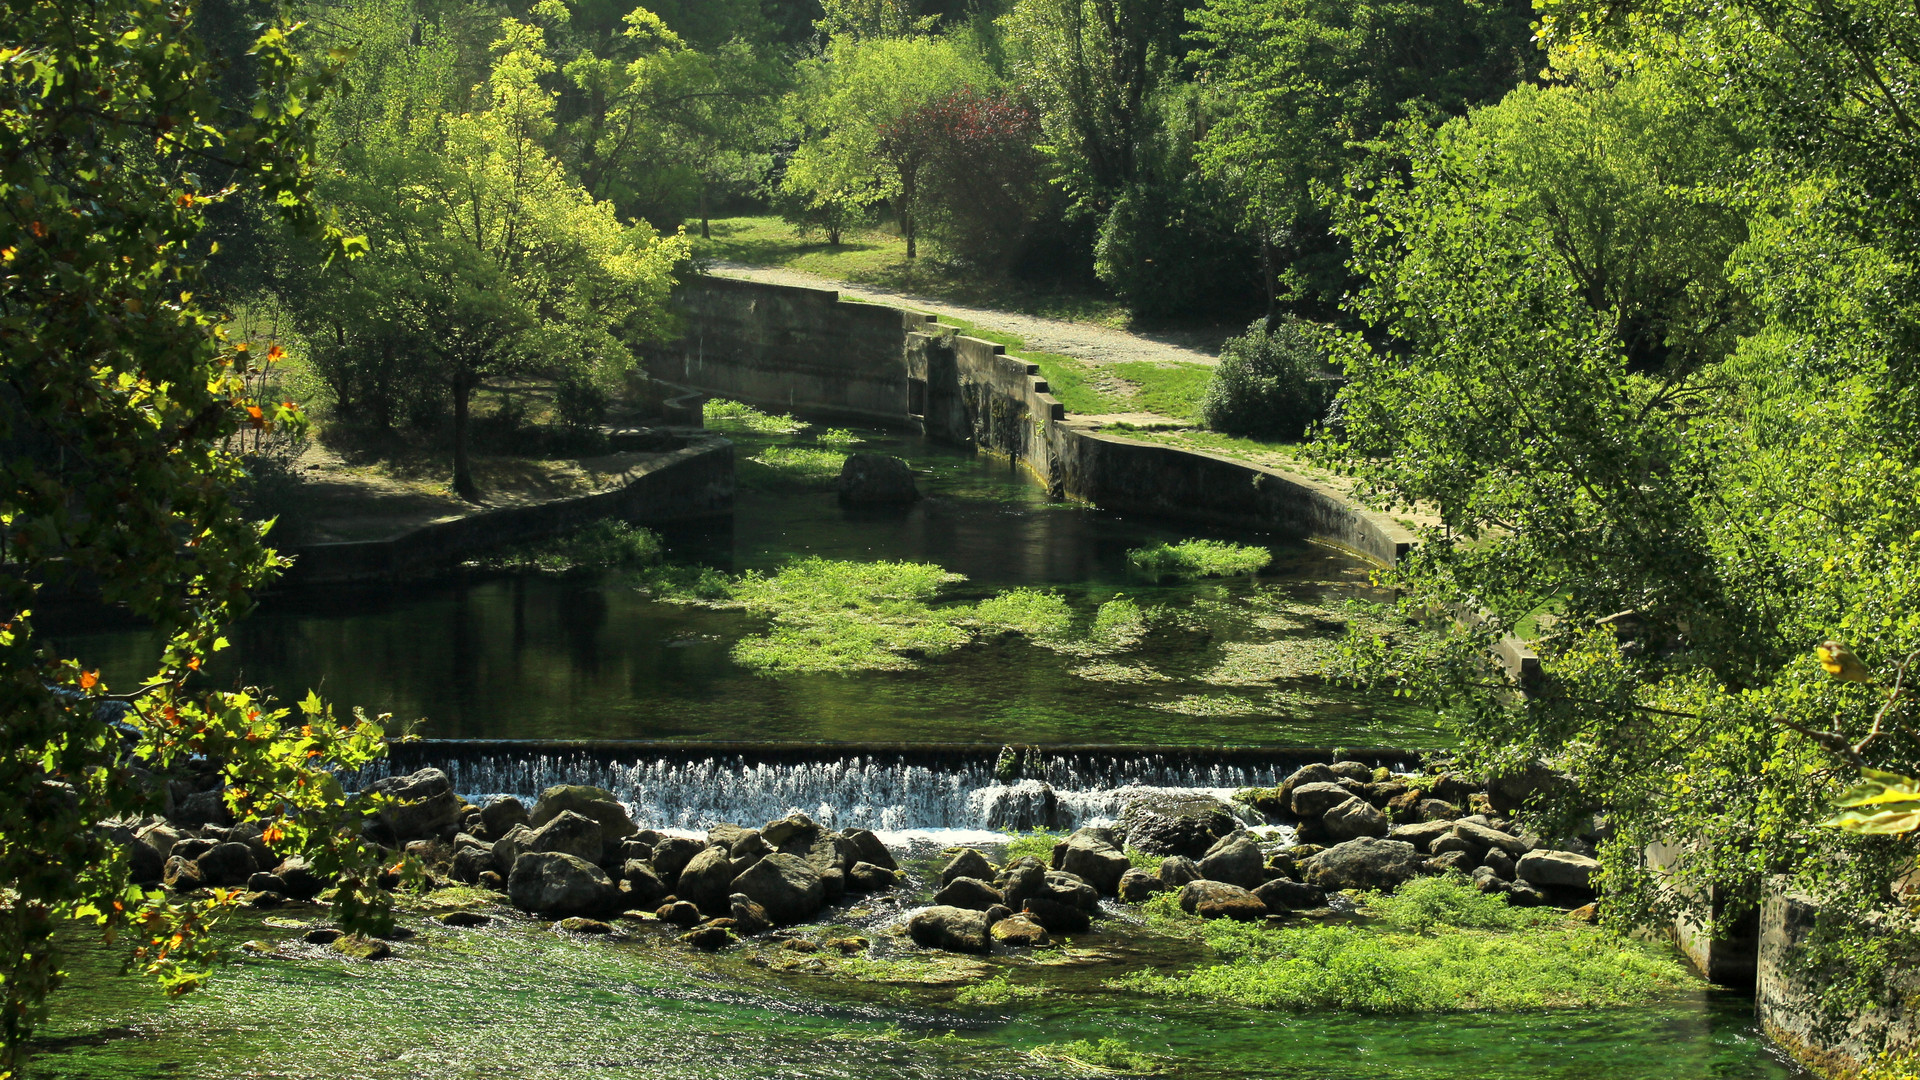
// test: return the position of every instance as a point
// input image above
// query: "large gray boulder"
(967, 862)
(595, 803)
(1420, 834)
(708, 880)
(1366, 863)
(556, 883)
(789, 887)
(1177, 870)
(1174, 823)
(1563, 869)
(796, 824)
(1071, 890)
(876, 478)
(672, 854)
(950, 928)
(502, 814)
(418, 806)
(1312, 800)
(508, 848)
(1235, 860)
(645, 888)
(226, 864)
(574, 834)
(870, 849)
(1281, 895)
(970, 893)
(1484, 838)
(1024, 877)
(1094, 855)
(1353, 819)
(1219, 900)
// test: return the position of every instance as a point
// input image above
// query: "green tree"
(1299, 87)
(118, 398)
(871, 136)
(486, 260)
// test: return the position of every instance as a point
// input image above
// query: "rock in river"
(950, 928)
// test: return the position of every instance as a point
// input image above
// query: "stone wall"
(1788, 984)
(893, 366)
(695, 481)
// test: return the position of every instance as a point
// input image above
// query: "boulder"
(950, 928)
(970, 893)
(1177, 870)
(597, 804)
(1137, 885)
(1450, 861)
(160, 837)
(643, 885)
(355, 947)
(1512, 787)
(180, 874)
(507, 849)
(469, 863)
(709, 937)
(633, 847)
(1069, 889)
(1365, 863)
(1019, 931)
(557, 883)
(417, 806)
(750, 845)
(835, 884)
(1281, 895)
(748, 915)
(1353, 819)
(1485, 838)
(1437, 810)
(192, 847)
(144, 864)
(1309, 774)
(1056, 917)
(1352, 770)
(789, 887)
(672, 854)
(1023, 878)
(870, 849)
(824, 850)
(465, 920)
(502, 814)
(1235, 860)
(1094, 855)
(576, 924)
(1421, 834)
(1219, 900)
(301, 879)
(1485, 880)
(1175, 823)
(264, 882)
(1312, 800)
(967, 863)
(778, 833)
(1452, 844)
(568, 832)
(865, 877)
(203, 808)
(1564, 869)
(1499, 862)
(680, 913)
(226, 864)
(876, 478)
(708, 880)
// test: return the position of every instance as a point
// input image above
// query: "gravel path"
(1082, 341)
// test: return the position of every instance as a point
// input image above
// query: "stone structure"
(796, 349)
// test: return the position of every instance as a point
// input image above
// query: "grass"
(1199, 558)
(605, 544)
(723, 415)
(1439, 948)
(1172, 390)
(809, 466)
(1037, 843)
(878, 256)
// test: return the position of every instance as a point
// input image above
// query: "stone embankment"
(578, 858)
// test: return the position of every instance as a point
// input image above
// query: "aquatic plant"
(1462, 956)
(1105, 1055)
(1000, 991)
(1199, 558)
(722, 414)
(1038, 843)
(1026, 611)
(804, 463)
(605, 544)
(838, 437)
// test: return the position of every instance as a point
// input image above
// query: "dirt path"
(1082, 341)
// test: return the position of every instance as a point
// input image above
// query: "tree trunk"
(462, 469)
(706, 233)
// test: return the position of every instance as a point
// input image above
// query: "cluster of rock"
(1361, 828)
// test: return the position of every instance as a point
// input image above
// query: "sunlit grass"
(723, 415)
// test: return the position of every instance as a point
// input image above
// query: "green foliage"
(1105, 1055)
(1270, 384)
(1522, 961)
(837, 437)
(1038, 844)
(803, 464)
(724, 415)
(1000, 990)
(605, 544)
(1026, 611)
(1426, 904)
(120, 432)
(1199, 558)
(833, 616)
(1882, 802)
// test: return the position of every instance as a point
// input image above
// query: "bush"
(1268, 385)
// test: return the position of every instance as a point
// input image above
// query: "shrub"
(1268, 385)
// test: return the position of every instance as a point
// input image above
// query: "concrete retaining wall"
(1788, 984)
(696, 481)
(805, 350)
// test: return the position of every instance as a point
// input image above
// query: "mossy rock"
(355, 947)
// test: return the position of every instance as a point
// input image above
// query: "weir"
(887, 789)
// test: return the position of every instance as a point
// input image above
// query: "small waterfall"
(889, 791)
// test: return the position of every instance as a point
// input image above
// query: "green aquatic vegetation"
(679, 583)
(1099, 1056)
(1000, 991)
(1029, 611)
(723, 415)
(1113, 671)
(1199, 558)
(1256, 663)
(838, 437)
(808, 464)
(605, 544)
(1460, 956)
(1038, 843)
(1210, 705)
(837, 642)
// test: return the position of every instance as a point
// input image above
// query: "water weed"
(810, 465)
(603, 545)
(838, 437)
(1108, 1056)
(1027, 611)
(724, 415)
(1199, 558)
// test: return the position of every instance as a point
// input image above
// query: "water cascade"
(905, 790)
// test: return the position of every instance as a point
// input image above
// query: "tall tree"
(119, 397)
